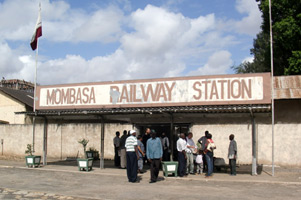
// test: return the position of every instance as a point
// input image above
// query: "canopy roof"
(152, 110)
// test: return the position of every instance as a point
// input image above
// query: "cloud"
(218, 63)
(157, 47)
(152, 42)
(60, 23)
(248, 59)
(251, 23)
(20, 26)
(8, 61)
(104, 25)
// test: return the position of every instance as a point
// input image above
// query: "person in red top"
(209, 147)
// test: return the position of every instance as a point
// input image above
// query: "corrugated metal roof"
(287, 87)
(20, 95)
(151, 110)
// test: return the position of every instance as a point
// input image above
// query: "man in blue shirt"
(154, 154)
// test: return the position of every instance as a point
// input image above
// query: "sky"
(109, 40)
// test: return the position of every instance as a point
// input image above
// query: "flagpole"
(272, 85)
(35, 89)
(35, 77)
(34, 98)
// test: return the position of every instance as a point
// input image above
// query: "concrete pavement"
(282, 175)
(62, 180)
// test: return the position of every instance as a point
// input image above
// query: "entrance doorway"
(166, 128)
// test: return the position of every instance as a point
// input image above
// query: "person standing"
(209, 147)
(165, 145)
(145, 137)
(154, 154)
(199, 162)
(116, 142)
(123, 150)
(189, 153)
(202, 141)
(232, 155)
(141, 152)
(181, 147)
(131, 156)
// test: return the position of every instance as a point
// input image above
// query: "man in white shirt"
(189, 153)
(181, 147)
(132, 156)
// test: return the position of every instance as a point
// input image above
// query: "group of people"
(204, 150)
(204, 154)
(132, 152)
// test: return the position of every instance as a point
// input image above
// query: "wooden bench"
(219, 164)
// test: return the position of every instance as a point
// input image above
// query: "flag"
(37, 32)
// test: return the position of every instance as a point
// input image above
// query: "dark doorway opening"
(166, 128)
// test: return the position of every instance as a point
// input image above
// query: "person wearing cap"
(132, 156)
(154, 154)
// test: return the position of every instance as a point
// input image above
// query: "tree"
(245, 67)
(294, 63)
(286, 25)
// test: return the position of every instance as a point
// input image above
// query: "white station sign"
(182, 91)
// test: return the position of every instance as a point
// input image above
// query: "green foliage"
(261, 52)
(294, 64)
(29, 150)
(84, 142)
(92, 149)
(286, 26)
(243, 68)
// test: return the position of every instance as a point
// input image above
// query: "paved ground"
(62, 180)
(6, 193)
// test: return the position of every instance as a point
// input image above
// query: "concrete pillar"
(33, 133)
(102, 139)
(45, 141)
(171, 136)
(254, 145)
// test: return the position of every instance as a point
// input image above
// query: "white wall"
(220, 135)
(63, 138)
(8, 107)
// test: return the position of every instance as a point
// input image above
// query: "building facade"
(223, 105)
(13, 100)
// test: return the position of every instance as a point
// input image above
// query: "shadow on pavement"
(241, 169)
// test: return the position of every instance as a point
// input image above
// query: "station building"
(223, 105)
